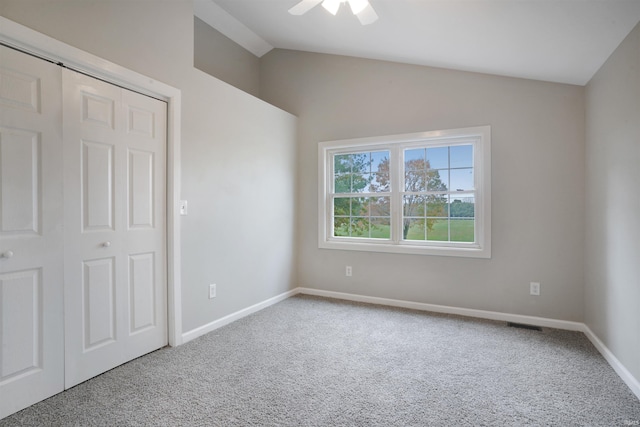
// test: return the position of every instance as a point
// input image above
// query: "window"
(425, 193)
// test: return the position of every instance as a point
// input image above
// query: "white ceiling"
(562, 41)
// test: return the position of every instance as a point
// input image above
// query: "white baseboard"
(623, 372)
(482, 314)
(618, 367)
(204, 329)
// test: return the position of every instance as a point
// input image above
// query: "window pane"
(342, 183)
(380, 161)
(437, 206)
(461, 179)
(462, 230)
(380, 183)
(461, 156)
(341, 164)
(352, 172)
(462, 207)
(415, 181)
(413, 206)
(413, 229)
(341, 206)
(341, 227)
(437, 180)
(359, 206)
(438, 157)
(379, 206)
(360, 182)
(414, 159)
(360, 162)
(381, 228)
(359, 227)
(438, 229)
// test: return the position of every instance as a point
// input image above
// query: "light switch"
(183, 207)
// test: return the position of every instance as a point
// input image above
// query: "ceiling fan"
(361, 8)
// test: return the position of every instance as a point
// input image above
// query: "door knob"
(106, 244)
(7, 254)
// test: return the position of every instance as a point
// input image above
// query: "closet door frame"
(22, 38)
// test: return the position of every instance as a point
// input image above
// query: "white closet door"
(31, 285)
(115, 238)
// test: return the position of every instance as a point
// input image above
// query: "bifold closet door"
(31, 265)
(115, 227)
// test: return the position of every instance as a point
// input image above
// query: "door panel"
(97, 186)
(98, 110)
(20, 157)
(142, 292)
(98, 303)
(115, 281)
(20, 302)
(31, 283)
(18, 87)
(141, 191)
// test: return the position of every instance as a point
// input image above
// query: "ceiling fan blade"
(304, 6)
(368, 15)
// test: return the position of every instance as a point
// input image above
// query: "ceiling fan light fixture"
(367, 15)
(332, 6)
(358, 6)
(303, 7)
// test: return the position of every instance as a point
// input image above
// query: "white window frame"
(479, 137)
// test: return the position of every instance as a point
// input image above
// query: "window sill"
(471, 251)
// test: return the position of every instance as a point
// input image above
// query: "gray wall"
(612, 237)
(537, 183)
(216, 54)
(234, 146)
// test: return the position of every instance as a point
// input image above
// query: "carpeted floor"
(310, 361)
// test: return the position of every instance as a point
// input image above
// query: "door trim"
(25, 39)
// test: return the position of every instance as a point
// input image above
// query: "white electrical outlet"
(534, 288)
(348, 271)
(212, 290)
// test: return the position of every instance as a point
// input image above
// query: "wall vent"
(523, 326)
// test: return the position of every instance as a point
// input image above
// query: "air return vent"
(523, 326)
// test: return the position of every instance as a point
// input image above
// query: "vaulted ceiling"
(564, 41)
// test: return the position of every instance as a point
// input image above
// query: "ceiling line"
(222, 21)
